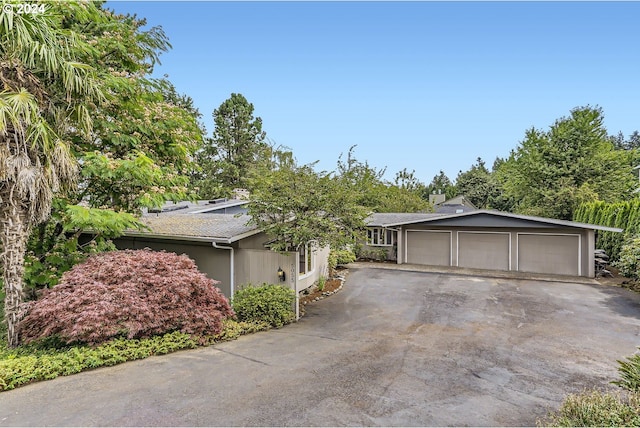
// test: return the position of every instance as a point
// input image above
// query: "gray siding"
(259, 266)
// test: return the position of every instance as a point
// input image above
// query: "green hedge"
(37, 362)
(624, 215)
(272, 304)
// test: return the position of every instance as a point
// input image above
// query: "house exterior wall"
(321, 268)
(261, 266)
(213, 262)
(502, 258)
(254, 242)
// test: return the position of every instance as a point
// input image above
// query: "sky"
(426, 86)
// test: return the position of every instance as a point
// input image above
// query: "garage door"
(484, 250)
(549, 253)
(429, 247)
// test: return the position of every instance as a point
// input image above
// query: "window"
(307, 258)
(379, 237)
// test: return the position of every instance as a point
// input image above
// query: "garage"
(493, 240)
(549, 253)
(484, 250)
(428, 247)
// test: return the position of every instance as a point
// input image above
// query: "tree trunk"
(14, 234)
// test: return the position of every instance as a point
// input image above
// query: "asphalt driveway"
(393, 348)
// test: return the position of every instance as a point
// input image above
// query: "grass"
(597, 409)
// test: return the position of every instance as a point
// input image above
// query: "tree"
(45, 92)
(408, 181)
(552, 172)
(145, 133)
(481, 187)
(441, 184)
(137, 155)
(238, 144)
(296, 205)
(374, 193)
(631, 143)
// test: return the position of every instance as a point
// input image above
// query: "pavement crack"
(242, 356)
(312, 335)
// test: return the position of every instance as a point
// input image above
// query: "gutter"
(231, 265)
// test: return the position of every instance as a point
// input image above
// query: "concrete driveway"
(393, 348)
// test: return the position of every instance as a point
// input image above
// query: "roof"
(397, 219)
(454, 208)
(400, 219)
(191, 222)
(200, 206)
(459, 200)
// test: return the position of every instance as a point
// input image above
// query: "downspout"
(231, 265)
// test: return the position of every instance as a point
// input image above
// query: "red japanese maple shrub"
(128, 293)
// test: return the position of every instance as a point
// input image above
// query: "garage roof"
(478, 218)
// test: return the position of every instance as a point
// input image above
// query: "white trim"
(406, 234)
(384, 231)
(458, 232)
(312, 247)
(549, 234)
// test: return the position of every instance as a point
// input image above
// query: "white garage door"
(426, 247)
(549, 253)
(484, 250)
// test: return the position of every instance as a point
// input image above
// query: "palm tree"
(43, 96)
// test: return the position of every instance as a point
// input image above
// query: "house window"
(307, 258)
(379, 237)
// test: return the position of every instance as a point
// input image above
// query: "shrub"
(629, 371)
(272, 304)
(41, 360)
(340, 257)
(135, 294)
(322, 281)
(629, 260)
(32, 363)
(378, 254)
(596, 409)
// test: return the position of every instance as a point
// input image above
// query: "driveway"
(393, 348)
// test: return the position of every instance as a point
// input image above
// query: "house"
(487, 239)
(225, 245)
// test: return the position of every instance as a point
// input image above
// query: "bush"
(28, 364)
(629, 371)
(135, 294)
(339, 258)
(42, 361)
(629, 260)
(597, 409)
(378, 254)
(272, 304)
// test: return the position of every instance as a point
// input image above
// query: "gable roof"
(478, 218)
